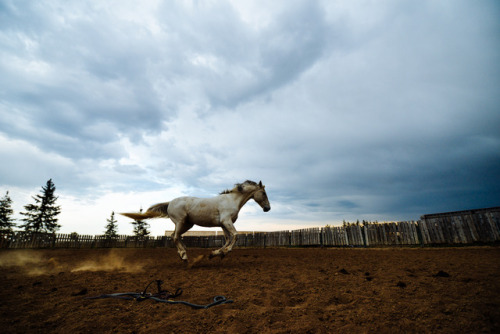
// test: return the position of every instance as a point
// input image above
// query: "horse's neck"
(242, 199)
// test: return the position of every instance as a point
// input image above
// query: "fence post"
(365, 235)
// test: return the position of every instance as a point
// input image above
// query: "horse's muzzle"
(267, 208)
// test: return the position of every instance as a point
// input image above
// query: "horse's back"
(199, 211)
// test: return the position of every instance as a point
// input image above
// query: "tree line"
(41, 216)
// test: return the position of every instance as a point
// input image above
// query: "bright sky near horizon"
(377, 110)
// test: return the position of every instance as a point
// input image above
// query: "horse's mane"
(237, 187)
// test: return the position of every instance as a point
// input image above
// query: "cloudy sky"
(377, 110)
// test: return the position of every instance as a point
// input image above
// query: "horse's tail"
(156, 211)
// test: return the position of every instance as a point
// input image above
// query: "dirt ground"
(311, 290)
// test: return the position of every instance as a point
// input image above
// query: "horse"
(219, 211)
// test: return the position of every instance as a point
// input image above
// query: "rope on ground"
(162, 296)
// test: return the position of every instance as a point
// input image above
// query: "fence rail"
(464, 227)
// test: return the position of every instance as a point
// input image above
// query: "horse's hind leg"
(180, 228)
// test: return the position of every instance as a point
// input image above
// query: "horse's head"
(250, 189)
(260, 197)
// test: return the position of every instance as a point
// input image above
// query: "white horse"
(221, 211)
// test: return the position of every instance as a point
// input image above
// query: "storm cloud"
(345, 110)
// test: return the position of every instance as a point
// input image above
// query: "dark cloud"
(343, 111)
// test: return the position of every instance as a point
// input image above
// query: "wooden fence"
(462, 227)
(51, 240)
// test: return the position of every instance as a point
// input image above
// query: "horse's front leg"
(230, 235)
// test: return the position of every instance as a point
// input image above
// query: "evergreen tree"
(42, 216)
(6, 212)
(140, 227)
(112, 227)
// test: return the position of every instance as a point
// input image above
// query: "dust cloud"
(110, 262)
(20, 258)
(33, 263)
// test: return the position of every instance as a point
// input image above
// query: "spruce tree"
(140, 227)
(42, 215)
(111, 228)
(6, 212)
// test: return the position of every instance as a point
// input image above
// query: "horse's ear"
(260, 184)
